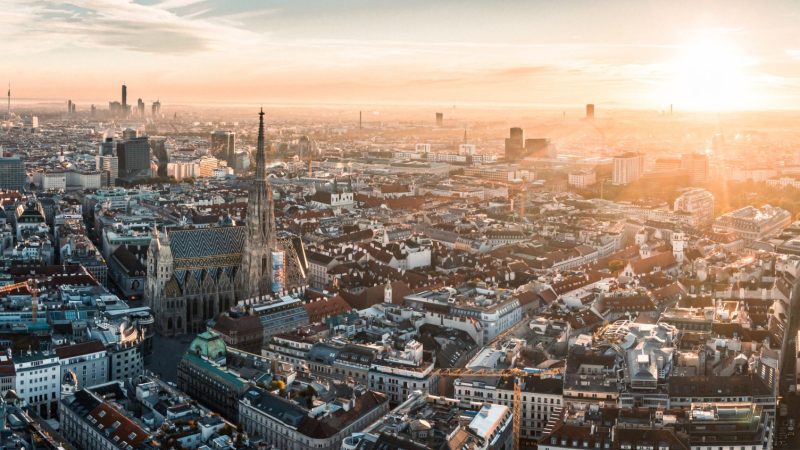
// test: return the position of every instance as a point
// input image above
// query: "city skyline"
(716, 56)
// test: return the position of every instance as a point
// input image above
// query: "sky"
(704, 55)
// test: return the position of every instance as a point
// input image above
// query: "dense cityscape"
(391, 275)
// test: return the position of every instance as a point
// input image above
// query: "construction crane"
(518, 374)
(30, 284)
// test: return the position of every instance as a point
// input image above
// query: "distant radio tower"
(359, 120)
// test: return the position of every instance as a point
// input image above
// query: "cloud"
(513, 72)
(121, 25)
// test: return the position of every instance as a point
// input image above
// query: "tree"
(616, 265)
(279, 385)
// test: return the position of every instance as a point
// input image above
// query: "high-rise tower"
(124, 96)
(9, 100)
(256, 272)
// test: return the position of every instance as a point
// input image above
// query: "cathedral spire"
(255, 274)
(261, 171)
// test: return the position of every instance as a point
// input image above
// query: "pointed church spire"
(260, 156)
(255, 273)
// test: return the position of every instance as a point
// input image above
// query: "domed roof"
(210, 345)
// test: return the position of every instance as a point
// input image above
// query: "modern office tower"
(140, 107)
(538, 147)
(156, 108)
(93, 110)
(590, 111)
(124, 96)
(696, 166)
(108, 166)
(30, 123)
(73, 109)
(134, 158)
(223, 146)
(69, 106)
(515, 143)
(129, 133)
(158, 147)
(628, 167)
(107, 147)
(439, 119)
(8, 112)
(12, 173)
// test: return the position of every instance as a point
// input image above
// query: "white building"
(399, 373)
(84, 180)
(108, 165)
(56, 181)
(88, 361)
(284, 424)
(628, 168)
(582, 179)
(697, 202)
(466, 149)
(541, 398)
(183, 169)
(38, 381)
(753, 224)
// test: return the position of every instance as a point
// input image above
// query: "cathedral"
(193, 274)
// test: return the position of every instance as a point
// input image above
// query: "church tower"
(159, 270)
(255, 273)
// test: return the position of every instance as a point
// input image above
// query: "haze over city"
(384, 225)
(716, 55)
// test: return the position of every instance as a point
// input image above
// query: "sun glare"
(709, 75)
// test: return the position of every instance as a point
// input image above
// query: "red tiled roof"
(318, 310)
(83, 348)
(124, 430)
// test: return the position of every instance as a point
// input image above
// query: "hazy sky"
(696, 54)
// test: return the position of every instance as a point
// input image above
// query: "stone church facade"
(193, 274)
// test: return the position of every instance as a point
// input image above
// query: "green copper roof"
(210, 345)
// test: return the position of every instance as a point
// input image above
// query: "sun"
(711, 75)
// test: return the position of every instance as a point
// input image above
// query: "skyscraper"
(12, 173)
(223, 146)
(256, 272)
(156, 108)
(69, 106)
(107, 147)
(124, 96)
(134, 158)
(439, 119)
(108, 165)
(590, 111)
(140, 107)
(515, 143)
(129, 133)
(158, 146)
(9, 100)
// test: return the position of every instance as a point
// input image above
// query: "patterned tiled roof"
(207, 247)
